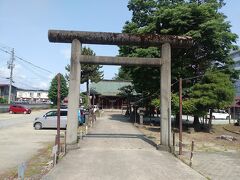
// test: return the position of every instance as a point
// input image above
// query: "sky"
(24, 26)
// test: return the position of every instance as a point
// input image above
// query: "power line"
(40, 75)
(36, 66)
(27, 85)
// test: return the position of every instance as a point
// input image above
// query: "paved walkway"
(218, 165)
(115, 150)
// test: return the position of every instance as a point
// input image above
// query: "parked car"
(16, 108)
(219, 114)
(49, 120)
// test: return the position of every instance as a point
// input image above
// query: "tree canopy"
(88, 71)
(53, 90)
(200, 19)
(214, 91)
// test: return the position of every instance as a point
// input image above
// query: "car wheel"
(38, 126)
(10, 112)
(227, 117)
(213, 117)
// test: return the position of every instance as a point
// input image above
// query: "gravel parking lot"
(19, 141)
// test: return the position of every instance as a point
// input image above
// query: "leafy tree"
(84, 99)
(88, 72)
(128, 93)
(214, 91)
(53, 90)
(156, 102)
(3, 100)
(199, 19)
(122, 75)
(187, 104)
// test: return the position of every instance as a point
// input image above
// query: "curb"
(231, 131)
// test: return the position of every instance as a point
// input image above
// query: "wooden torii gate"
(77, 38)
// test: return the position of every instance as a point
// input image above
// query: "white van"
(49, 120)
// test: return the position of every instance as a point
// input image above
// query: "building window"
(38, 94)
(31, 94)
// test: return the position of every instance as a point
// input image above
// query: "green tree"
(3, 100)
(88, 72)
(214, 91)
(122, 75)
(156, 103)
(53, 90)
(128, 93)
(84, 99)
(200, 19)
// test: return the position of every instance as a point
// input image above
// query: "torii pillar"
(165, 92)
(105, 38)
(73, 94)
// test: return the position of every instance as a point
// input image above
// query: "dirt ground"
(39, 164)
(203, 141)
(36, 167)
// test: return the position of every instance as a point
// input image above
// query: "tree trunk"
(196, 123)
(210, 121)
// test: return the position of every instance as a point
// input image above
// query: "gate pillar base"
(161, 147)
(71, 147)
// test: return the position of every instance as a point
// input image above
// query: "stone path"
(116, 150)
(218, 165)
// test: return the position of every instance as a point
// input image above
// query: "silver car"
(49, 120)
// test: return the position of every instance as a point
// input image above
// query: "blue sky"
(24, 26)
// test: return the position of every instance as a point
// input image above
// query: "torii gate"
(77, 38)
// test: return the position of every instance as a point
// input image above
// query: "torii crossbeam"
(77, 38)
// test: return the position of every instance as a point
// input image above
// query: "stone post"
(141, 118)
(73, 94)
(165, 88)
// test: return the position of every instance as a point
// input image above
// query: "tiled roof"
(108, 87)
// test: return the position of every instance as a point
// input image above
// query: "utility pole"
(10, 66)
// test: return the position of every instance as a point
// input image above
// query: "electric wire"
(28, 62)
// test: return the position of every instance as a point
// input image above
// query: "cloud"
(43, 85)
(4, 71)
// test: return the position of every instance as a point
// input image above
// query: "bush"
(3, 100)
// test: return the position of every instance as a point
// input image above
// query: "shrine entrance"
(77, 38)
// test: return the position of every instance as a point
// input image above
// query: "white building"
(34, 96)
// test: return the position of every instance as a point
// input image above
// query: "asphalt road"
(12, 120)
(19, 140)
